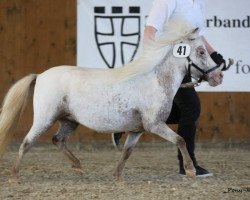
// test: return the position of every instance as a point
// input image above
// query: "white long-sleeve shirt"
(164, 11)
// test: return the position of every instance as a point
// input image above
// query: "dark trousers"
(185, 112)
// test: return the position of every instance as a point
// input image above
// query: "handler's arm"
(209, 48)
(159, 14)
(149, 34)
(217, 58)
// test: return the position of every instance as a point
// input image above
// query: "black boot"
(116, 138)
(200, 172)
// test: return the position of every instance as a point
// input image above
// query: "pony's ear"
(196, 31)
(193, 34)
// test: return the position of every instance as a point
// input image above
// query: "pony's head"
(200, 65)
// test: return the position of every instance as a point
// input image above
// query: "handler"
(186, 105)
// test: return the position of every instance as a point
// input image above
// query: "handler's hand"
(218, 59)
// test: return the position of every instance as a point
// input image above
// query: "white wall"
(228, 30)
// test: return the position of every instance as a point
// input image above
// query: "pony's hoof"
(14, 179)
(78, 171)
(191, 173)
(190, 170)
(118, 177)
(120, 182)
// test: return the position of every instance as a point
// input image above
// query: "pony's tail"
(14, 103)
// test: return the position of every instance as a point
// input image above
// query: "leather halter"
(204, 73)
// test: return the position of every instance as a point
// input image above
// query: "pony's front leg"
(162, 130)
(129, 145)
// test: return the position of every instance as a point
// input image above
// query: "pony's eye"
(191, 39)
(201, 52)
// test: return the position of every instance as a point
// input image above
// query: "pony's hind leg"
(29, 140)
(60, 139)
(129, 145)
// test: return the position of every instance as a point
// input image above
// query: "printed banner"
(109, 34)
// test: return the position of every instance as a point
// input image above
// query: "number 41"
(181, 50)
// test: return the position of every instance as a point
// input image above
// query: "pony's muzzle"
(215, 78)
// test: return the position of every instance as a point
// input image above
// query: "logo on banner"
(117, 34)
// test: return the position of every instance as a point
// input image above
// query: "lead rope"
(189, 84)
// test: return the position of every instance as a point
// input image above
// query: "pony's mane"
(153, 52)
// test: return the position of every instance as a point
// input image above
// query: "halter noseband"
(204, 73)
